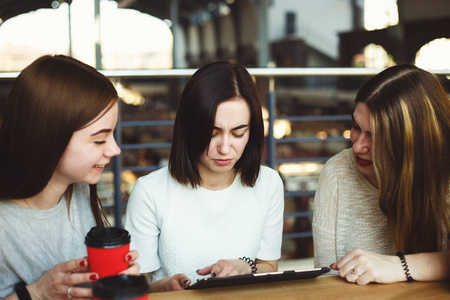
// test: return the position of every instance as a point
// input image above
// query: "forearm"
(264, 266)
(429, 266)
(162, 285)
(13, 296)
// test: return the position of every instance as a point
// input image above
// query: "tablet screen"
(257, 278)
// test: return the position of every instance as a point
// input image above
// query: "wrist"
(22, 292)
(405, 267)
(250, 263)
(34, 291)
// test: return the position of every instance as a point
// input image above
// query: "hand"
(227, 267)
(363, 266)
(176, 282)
(55, 283)
(134, 266)
(179, 282)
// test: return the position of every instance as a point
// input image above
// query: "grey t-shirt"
(33, 241)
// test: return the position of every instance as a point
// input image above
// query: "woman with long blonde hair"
(386, 200)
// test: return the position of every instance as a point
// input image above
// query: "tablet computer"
(257, 278)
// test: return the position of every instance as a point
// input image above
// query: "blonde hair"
(410, 121)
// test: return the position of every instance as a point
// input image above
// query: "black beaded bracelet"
(250, 262)
(21, 291)
(405, 267)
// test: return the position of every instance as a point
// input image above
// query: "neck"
(216, 181)
(48, 198)
(372, 180)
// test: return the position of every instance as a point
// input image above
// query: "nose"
(224, 145)
(113, 149)
(362, 144)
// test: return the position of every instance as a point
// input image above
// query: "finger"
(133, 269)
(349, 269)
(219, 271)
(80, 293)
(77, 278)
(205, 270)
(351, 277)
(364, 279)
(333, 266)
(343, 261)
(182, 280)
(131, 256)
(82, 266)
(70, 265)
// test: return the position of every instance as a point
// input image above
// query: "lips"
(363, 162)
(222, 162)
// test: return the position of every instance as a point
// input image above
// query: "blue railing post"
(271, 152)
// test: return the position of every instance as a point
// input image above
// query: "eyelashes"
(354, 125)
(239, 136)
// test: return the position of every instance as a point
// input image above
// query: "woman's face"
(230, 136)
(88, 151)
(361, 136)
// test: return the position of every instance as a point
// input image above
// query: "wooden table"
(330, 287)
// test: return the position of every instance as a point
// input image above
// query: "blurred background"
(308, 58)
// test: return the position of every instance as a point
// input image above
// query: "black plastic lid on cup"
(106, 237)
(121, 287)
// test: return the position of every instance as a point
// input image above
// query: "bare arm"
(265, 266)
(429, 266)
(362, 267)
(177, 282)
(55, 283)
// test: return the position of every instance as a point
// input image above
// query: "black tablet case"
(257, 278)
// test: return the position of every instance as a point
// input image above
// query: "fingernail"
(82, 263)
(129, 257)
(214, 274)
(185, 281)
(332, 265)
(197, 271)
(93, 277)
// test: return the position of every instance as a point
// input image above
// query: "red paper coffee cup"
(107, 247)
(121, 287)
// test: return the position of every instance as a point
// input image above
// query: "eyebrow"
(235, 128)
(101, 131)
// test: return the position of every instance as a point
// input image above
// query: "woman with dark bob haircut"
(214, 210)
(382, 208)
(56, 137)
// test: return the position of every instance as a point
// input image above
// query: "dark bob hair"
(209, 86)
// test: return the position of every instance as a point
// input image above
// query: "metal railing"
(270, 73)
(272, 161)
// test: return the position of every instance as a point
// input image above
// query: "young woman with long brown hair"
(381, 204)
(56, 137)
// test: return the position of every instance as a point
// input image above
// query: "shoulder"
(159, 175)
(341, 162)
(267, 172)
(268, 181)
(153, 185)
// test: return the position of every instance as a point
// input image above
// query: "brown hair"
(51, 99)
(206, 89)
(410, 122)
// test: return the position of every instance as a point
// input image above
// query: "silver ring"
(69, 295)
(354, 272)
